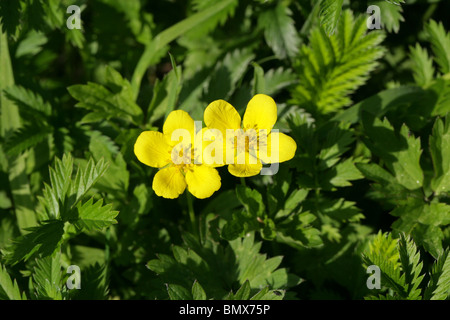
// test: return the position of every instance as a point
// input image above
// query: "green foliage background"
(369, 184)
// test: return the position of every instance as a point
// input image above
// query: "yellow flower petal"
(152, 149)
(250, 167)
(280, 148)
(179, 119)
(203, 181)
(261, 113)
(169, 182)
(211, 151)
(221, 115)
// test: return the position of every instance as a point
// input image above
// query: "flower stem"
(243, 182)
(191, 212)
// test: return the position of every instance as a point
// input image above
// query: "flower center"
(183, 157)
(244, 140)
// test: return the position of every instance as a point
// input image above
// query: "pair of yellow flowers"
(192, 161)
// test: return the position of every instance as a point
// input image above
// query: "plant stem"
(243, 182)
(191, 212)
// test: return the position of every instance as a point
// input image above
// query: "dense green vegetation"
(369, 183)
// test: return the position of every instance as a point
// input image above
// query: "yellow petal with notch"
(202, 181)
(169, 182)
(251, 166)
(176, 120)
(221, 115)
(280, 148)
(261, 113)
(152, 148)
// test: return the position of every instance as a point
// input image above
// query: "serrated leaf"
(10, 16)
(423, 222)
(332, 67)
(278, 79)
(61, 175)
(423, 69)
(279, 31)
(411, 266)
(242, 294)
(234, 263)
(153, 48)
(197, 291)
(266, 294)
(439, 285)
(30, 103)
(94, 283)
(25, 138)
(330, 11)
(344, 172)
(94, 216)
(383, 253)
(86, 177)
(391, 14)
(177, 292)
(42, 240)
(9, 290)
(251, 199)
(112, 104)
(440, 44)
(400, 151)
(259, 82)
(227, 73)
(47, 277)
(440, 154)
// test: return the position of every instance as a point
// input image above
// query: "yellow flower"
(173, 152)
(247, 148)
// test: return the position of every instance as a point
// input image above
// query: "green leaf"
(401, 152)
(440, 90)
(344, 172)
(279, 31)
(219, 268)
(242, 294)
(152, 50)
(42, 240)
(29, 103)
(380, 103)
(94, 283)
(259, 82)
(440, 44)
(439, 285)
(251, 199)
(278, 79)
(197, 291)
(228, 73)
(116, 178)
(177, 292)
(10, 16)
(330, 11)
(411, 266)
(114, 102)
(440, 154)
(422, 221)
(391, 14)
(332, 67)
(383, 253)
(9, 122)
(423, 70)
(47, 277)
(94, 216)
(266, 294)
(9, 290)
(86, 177)
(61, 175)
(25, 138)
